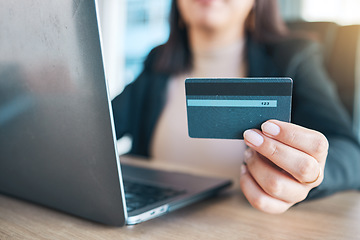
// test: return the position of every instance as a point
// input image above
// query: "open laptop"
(57, 144)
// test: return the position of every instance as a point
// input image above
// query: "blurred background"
(131, 28)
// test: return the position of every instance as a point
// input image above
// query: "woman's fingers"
(296, 162)
(283, 164)
(273, 180)
(306, 140)
(257, 197)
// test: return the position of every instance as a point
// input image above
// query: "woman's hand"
(284, 162)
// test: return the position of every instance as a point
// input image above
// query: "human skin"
(283, 163)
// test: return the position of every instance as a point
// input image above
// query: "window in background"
(343, 12)
(290, 10)
(146, 27)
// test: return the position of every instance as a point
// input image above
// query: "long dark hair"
(264, 24)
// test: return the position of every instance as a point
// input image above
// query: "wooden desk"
(227, 216)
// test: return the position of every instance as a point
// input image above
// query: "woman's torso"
(170, 141)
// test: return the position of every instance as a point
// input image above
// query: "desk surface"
(227, 216)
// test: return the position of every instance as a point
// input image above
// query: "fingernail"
(253, 137)
(270, 128)
(243, 169)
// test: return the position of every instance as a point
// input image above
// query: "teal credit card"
(225, 107)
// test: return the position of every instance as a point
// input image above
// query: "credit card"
(225, 107)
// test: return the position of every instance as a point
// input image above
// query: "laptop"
(57, 138)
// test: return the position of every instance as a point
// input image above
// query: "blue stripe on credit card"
(230, 103)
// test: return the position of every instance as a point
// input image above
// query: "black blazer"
(315, 105)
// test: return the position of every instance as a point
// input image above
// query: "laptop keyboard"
(138, 195)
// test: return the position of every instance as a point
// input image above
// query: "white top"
(170, 139)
